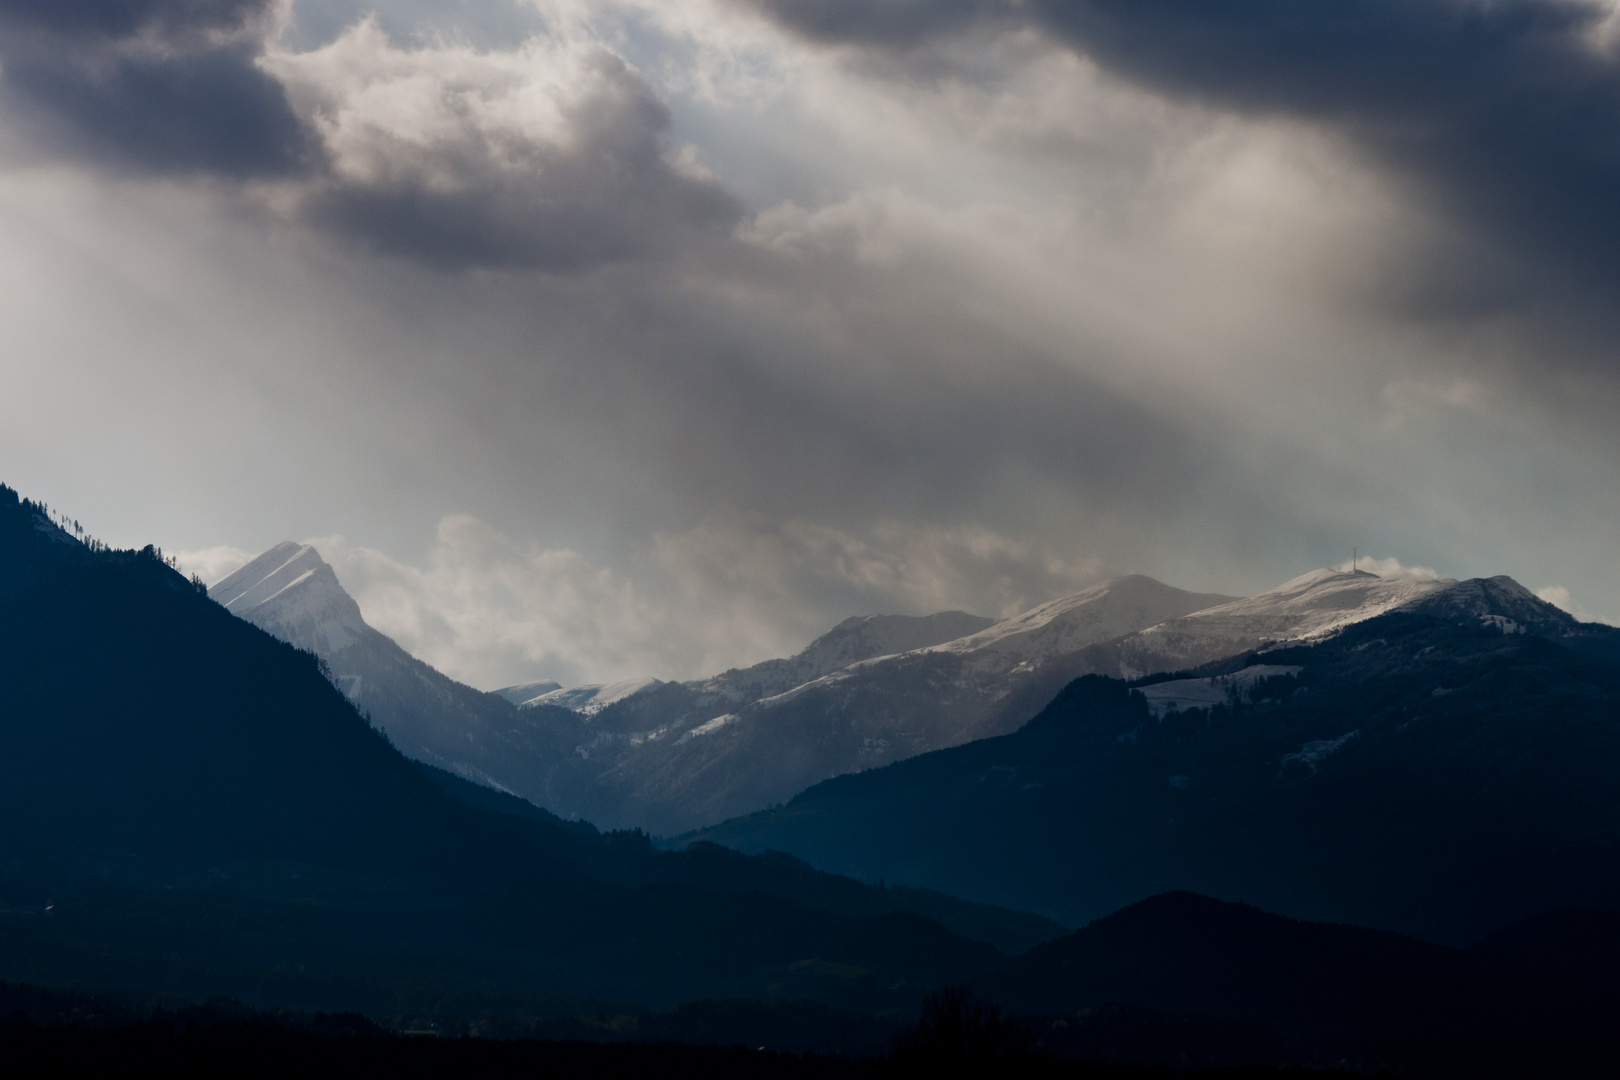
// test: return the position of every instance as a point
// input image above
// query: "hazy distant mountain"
(205, 813)
(1440, 769)
(871, 691)
(859, 637)
(292, 593)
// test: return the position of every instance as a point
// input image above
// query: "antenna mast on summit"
(1352, 560)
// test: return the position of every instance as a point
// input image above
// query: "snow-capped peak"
(294, 594)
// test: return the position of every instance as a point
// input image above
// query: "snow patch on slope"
(1101, 613)
(1312, 754)
(526, 692)
(1179, 695)
(593, 697)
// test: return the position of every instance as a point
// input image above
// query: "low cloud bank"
(733, 591)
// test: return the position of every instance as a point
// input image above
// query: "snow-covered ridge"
(1319, 603)
(1100, 613)
(592, 698)
(1310, 607)
(528, 691)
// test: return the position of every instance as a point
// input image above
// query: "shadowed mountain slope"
(1186, 970)
(1578, 944)
(1433, 771)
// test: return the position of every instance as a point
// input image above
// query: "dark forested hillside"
(1423, 772)
(190, 805)
(1180, 975)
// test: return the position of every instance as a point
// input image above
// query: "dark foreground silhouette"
(256, 1050)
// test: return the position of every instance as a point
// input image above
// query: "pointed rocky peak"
(291, 592)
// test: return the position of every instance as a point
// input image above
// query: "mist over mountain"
(1439, 769)
(670, 757)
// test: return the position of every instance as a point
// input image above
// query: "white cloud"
(1390, 568)
(732, 591)
(213, 564)
(1559, 597)
(551, 154)
(1408, 400)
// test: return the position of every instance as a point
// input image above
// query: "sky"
(597, 339)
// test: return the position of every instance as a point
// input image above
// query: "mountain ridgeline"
(191, 806)
(686, 754)
(1440, 769)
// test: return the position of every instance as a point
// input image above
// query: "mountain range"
(671, 757)
(1440, 769)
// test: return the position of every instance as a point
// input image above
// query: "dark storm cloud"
(125, 18)
(1508, 111)
(897, 23)
(163, 86)
(610, 194)
(188, 87)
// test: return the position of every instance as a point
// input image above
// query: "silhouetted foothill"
(958, 1029)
